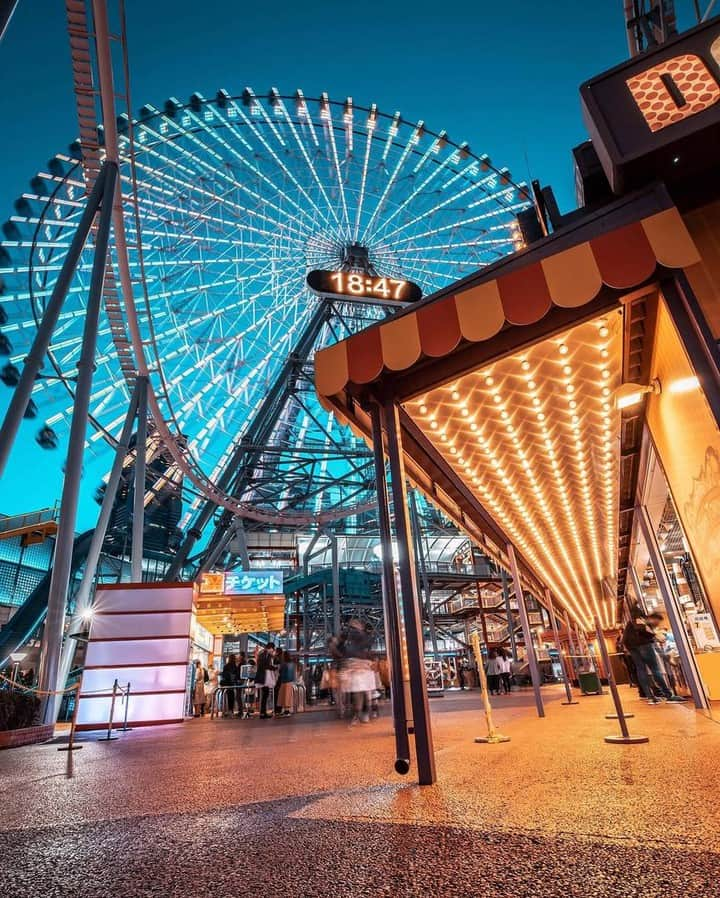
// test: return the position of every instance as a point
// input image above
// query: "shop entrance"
(664, 579)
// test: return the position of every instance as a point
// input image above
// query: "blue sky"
(503, 77)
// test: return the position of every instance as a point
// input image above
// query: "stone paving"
(310, 807)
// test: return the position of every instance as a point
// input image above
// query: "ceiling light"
(562, 349)
(455, 395)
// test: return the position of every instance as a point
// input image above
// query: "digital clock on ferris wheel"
(362, 286)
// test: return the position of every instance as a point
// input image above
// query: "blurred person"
(495, 668)
(211, 687)
(265, 677)
(506, 674)
(639, 637)
(287, 674)
(358, 673)
(199, 689)
(460, 663)
(229, 678)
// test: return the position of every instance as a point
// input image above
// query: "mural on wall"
(701, 511)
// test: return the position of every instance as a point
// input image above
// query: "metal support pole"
(138, 527)
(411, 607)
(556, 637)
(393, 642)
(62, 558)
(625, 738)
(38, 350)
(108, 737)
(125, 727)
(415, 517)
(82, 598)
(571, 644)
(508, 612)
(527, 632)
(335, 562)
(638, 588)
(672, 609)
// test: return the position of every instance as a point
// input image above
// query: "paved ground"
(309, 807)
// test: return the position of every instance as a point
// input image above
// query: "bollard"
(625, 738)
(125, 728)
(108, 737)
(493, 736)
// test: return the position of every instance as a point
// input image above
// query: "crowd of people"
(246, 681)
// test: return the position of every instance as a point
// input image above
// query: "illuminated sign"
(363, 286)
(657, 116)
(243, 583)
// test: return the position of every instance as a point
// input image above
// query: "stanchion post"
(125, 727)
(108, 737)
(493, 736)
(625, 738)
(71, 747)
(556, 637)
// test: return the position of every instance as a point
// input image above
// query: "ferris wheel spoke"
(388, 187)
(329, 130)
(217, 172)
(329, 207)
(489, 198)
(278, 158)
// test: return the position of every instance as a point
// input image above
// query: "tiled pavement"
(309, 807)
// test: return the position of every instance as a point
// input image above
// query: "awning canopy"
(528, 287)
(504, 384)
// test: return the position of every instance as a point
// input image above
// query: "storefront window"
(645, 594)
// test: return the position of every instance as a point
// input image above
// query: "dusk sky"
(504, 78)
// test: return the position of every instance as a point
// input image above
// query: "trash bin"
(590, 683)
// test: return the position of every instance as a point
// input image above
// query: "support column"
(638, 587)
(672, 609)
(82, 599)
(138, 527)
(411, 606)
(527, 632)
(508, 612)
(38, 350)
(423, 571)
(62, 558)
(558, 646)
(335, 562)
(393, 643)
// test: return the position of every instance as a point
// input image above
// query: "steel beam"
(417, 531)
(558, 646)
(82, 598)
(527, 632)
(38, 350)
(138, 525)
(393, 639)
(246, 455)
(62, 558)
(508, 612)
(410, 599)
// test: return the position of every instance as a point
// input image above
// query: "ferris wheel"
(229, 204)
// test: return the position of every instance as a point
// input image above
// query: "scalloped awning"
(621, 259)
